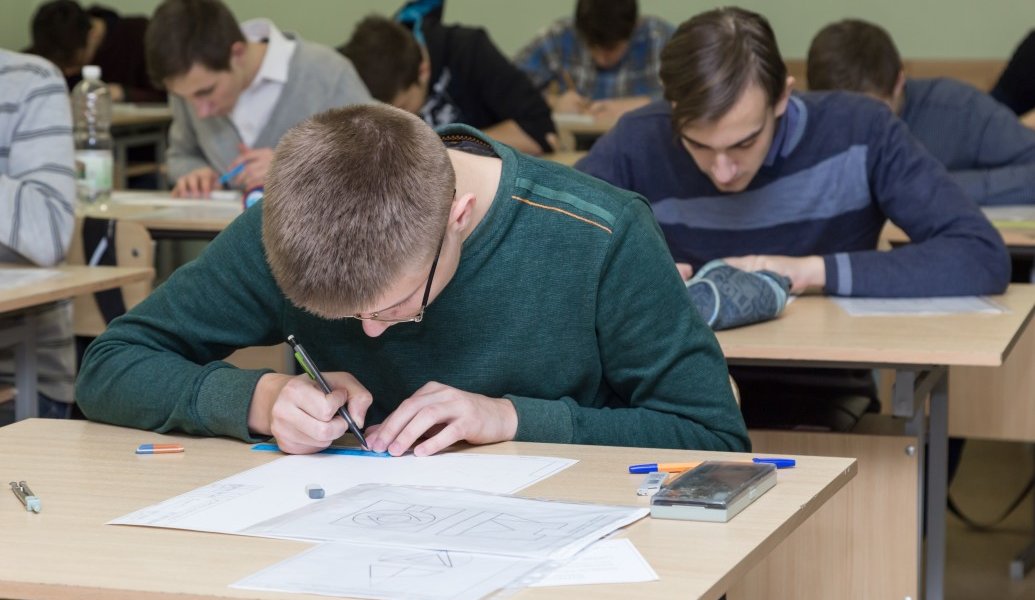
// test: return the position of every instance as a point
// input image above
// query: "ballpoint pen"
(227, 177)
(310, 368)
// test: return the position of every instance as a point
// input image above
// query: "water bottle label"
(94, 169)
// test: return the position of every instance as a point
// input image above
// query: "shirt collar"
(789, 130)
(279, 49)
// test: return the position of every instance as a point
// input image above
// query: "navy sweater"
(839, 166)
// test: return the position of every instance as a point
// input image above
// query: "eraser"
(651, 484)
(159, 448)
(32, 503)
(314, 491)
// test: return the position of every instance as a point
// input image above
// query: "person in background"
(986, 150)
(37, 209)
(738, 167)
(450, 74)
(471, 292)
(235, 89)
(1016, 86)
(604, 61)
(71, 37)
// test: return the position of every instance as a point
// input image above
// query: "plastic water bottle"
(91, 112)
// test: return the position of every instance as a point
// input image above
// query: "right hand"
(686, 270)
(570, 102)
(199, 183)
(304, 420)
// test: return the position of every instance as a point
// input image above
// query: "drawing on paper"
(392, 565)
(397, 516)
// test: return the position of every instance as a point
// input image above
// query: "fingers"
(686, 270)
(387, 436)
(197, 183)
(303, 418)
(356, 397)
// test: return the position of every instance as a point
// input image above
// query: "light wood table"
(166, 217)
(73, 281)
(135, 125)
(814, 331)
(87, 474)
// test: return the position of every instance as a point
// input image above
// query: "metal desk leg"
(25, 371)
(937, 487)
(1025, 559)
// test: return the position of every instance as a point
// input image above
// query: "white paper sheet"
(13, 278)
(562, 118)
(1003, 214)
(880, 307)
(228, 199)
(263, 493)
(607, 561)
(337, 569)
(451, 519)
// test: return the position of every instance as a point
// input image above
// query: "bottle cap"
(92, 72)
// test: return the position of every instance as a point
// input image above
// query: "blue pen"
(227, 177)
(779, 463)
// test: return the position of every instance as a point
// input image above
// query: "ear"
(785, 96)
(460, 213)
(424, 70)
(237, 50)
(900, 88)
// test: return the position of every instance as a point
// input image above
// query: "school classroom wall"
(921, 28)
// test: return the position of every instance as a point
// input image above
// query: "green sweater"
(565, 301)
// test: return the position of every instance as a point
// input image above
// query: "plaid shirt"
(559, 49)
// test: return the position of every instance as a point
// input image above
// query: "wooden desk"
(1015, 223)
(135, 125)
(73, 281)
(86, 474)
(573, 126)
(169, 218)
(814, 331)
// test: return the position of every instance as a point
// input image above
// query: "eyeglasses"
(417, 318)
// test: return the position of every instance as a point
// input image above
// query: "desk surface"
(1015, 223)
(87, 473)
(813, 329)
(74, 281)
(160, 212)
(126, 114)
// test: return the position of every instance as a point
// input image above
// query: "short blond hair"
(354, 197)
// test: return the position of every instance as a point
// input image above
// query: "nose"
(724, 170)
(204, 109)
(375, 328)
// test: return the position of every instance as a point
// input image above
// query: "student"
(1016, 86)
(236, 89)
(469, 291)
(37, 215)
(989, 153)
(604, 61)
(736, 166)
(456, 75)
(70, 37)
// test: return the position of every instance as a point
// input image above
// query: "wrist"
(817, 271)
(260, 412)
(509, 420)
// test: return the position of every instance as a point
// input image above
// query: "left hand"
(445, 415)
(257, 165)
(804, 272)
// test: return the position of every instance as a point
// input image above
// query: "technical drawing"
(421, 564)
(397, 516)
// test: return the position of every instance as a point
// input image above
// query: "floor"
(990, 476)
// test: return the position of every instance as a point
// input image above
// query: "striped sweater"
(839, 166)
(37, 196)
(564, 300)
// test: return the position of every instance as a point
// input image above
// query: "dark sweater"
(121, 57)
(565, 301)
(1016, 86)
(473, 83)
(839, 166)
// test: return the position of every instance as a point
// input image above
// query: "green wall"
(921, 28)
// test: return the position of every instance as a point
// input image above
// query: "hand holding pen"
(249, 169)
(314, 373)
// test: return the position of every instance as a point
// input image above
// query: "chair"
(133, 247)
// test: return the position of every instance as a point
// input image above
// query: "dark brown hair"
(713, 57)
(385, 55)
(854, 55)
(355, 196)
(183, 33)
(59, 32)
(605, 23)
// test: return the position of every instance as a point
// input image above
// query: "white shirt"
(256, 102)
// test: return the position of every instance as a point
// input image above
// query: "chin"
(732, 187)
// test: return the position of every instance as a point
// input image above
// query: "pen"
(28, 499)
(664, 467)
(779, 463)
(310, 368)
(227, 177)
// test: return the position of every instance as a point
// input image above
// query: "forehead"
(747, 115)
(199, 77)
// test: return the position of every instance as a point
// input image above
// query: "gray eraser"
(314, 491)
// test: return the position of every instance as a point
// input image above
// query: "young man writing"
(236, 89)
(604, 61)
(737, 167)
(983, 145)
(449, 287)
(450, 74)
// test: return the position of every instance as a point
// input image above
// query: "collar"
(279, 49)
(789, 130)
